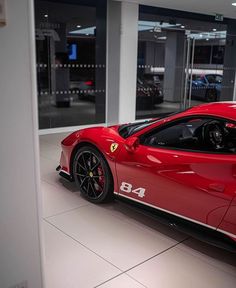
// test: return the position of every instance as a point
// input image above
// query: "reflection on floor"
(84, 113)
(79, 113)
(113, 245)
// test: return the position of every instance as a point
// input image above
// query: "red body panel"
(101, 137)
(194, 185)
(197, 186)
(228, 223)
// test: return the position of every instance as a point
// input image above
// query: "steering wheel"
(213, 134)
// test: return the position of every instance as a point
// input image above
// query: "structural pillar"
(20, 253)
(174, 68)
(122, 61)
(229, 70)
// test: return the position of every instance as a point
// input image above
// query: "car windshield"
(127, 130)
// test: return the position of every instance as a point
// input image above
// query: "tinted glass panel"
(177, 53)
(71, 54)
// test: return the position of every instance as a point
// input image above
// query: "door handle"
(217, 187)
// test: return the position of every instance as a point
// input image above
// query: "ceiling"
(209, 7)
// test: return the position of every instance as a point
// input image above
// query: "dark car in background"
(149, 93)
(84, 88)
(207, 87)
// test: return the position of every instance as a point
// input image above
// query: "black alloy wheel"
(92, 175)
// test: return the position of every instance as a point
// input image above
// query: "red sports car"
(183, 165)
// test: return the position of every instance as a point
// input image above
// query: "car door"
(197, 185)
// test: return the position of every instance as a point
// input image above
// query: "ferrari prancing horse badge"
(113, 147)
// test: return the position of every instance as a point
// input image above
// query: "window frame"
(177, 121)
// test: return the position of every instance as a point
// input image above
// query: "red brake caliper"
(101, 178)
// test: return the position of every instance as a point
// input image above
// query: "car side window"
(199, 78)
(195, 134)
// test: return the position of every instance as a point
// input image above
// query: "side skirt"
(192, 229)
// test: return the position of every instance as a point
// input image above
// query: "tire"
(92, 175)
(211, 95)
(63, 104)
(81, 96)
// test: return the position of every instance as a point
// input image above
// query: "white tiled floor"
(113, 245)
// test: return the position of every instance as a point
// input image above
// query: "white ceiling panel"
(209, 7)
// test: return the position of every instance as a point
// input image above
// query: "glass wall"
(71, 62)
(181, 62)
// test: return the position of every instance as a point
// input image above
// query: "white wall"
(128, 61)
(113, 61)
(19, 177)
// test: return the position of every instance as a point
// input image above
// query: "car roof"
(219, 109)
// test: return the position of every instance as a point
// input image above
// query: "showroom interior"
(70, 64)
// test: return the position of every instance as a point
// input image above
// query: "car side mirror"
(131, 144)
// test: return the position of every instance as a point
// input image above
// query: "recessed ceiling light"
(214, 29)
(46, 15)
(234, 4)
(157, 29)
(162, 38)
(207, 39)
(78, 26)
(182, 26)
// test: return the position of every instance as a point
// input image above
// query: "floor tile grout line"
(69, 236)
(124, 272)
(121, 218)
(112, 278)
(136, 280)
(167, 249)
(211, 264)
(148, 215)
(55, 185)
(112, 213)
(66, 211)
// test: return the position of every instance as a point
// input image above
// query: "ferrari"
(181, 167)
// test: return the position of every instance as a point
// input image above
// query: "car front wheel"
(92, 175)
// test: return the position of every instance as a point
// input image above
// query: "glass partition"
(71, 62)
(181, 63)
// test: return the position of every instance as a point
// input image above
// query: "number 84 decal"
(127, 187)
